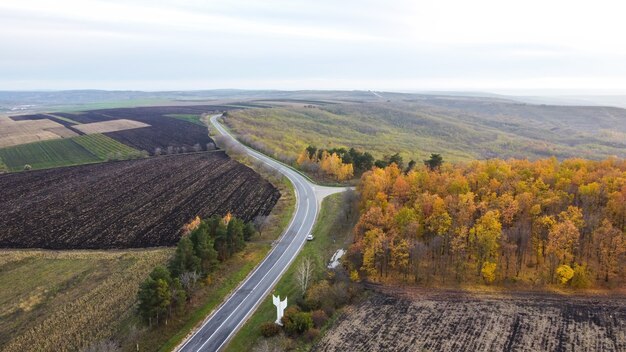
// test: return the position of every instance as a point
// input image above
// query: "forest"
(542, 222)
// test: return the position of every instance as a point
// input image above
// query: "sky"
(480, 45)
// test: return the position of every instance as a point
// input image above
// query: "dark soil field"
(420, 320)
(164, 131)
(127, 204)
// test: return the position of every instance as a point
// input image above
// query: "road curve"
(223, 323)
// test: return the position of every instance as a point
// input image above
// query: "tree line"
(204, 244)
(344, 164)
(539, 222)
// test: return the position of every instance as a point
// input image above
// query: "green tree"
(204, 248)
(234, 233)
(434, 162)
(248, 231)
(185, 258)
(154, 295)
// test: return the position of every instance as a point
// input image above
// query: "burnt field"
(126, 204)
(455, 321)
(164, 131)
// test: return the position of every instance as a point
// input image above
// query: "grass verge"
(221, 284)
(331, 232)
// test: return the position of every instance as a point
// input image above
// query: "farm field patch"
(19, 132)
(109, 126)
(172, 129)
(104, 147)
(46, 154)
(457, 321)
(126, 204)
(66, 300)
(193, 118)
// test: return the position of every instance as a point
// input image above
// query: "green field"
(63, 152)
(332, 231)
(188, 117)
(103, 147)
(458, 129)
(46, 154)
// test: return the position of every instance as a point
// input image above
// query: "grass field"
(103, 146)
(63, 152)
(416, 129)
(46, 154)
(66, 300)
(332, 231)
(189, 118)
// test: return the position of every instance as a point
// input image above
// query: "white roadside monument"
(280, 308)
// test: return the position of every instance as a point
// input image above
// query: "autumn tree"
(611, 245)
(485, 237)
(500, 218)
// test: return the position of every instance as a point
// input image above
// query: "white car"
(309, 238)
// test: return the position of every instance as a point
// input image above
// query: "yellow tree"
(400, 256)
(485, 237)
(345, 172)
(439, 221)
(562, 244)
(303, 158)
(373, 252)
(611, 244)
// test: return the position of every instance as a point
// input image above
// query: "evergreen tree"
(185, 258)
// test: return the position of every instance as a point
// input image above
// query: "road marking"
(254, 307)
(294, 178)
(254, 288)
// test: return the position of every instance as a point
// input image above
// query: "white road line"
(254, 288)
(300, 184)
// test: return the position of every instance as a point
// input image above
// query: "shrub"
(296, 322)
(302, 321)
(489, 272)
(311, 335)
(564, 273)
(269, 329)
(354, 276)
(581, 277)
(319, 318)
(27, 167)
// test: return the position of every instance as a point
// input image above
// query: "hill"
(460, 128)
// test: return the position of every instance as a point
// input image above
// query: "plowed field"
(127, 204)
(457, 321)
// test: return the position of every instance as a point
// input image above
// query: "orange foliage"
(524, 218)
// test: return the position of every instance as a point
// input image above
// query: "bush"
(311, 335)
(581, 277)
(302, 321)
(488, 272)
(296, 322)
(319, 318)
(564, 273)
(269, 329)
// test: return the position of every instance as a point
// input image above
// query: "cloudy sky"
(498, 45)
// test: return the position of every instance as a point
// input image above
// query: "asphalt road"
(220, 326)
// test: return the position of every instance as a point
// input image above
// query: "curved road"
(223, 323)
